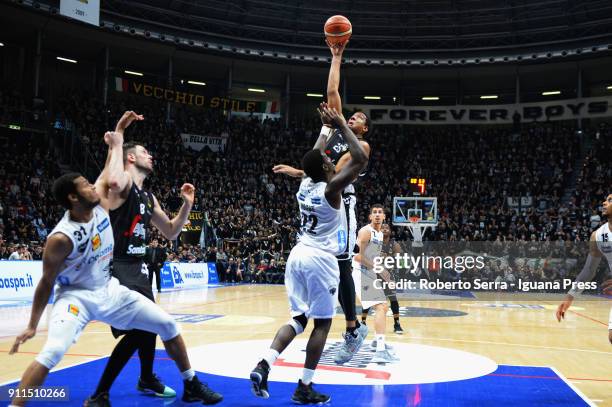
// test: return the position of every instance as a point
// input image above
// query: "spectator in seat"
(262, 268)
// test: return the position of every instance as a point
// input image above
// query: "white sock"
(188, 374)
(271, 356)
(307, 375)
(380, 342)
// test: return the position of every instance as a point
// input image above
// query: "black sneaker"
(259, 380)
(100, 401)
(307, 395)
(155, 386)
(194, 390)
(397, 328)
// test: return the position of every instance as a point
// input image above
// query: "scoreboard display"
(417, 186)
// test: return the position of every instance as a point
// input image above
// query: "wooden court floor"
(513, 331)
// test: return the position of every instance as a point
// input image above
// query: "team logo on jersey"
(136, 228)
(74, 310)
(332, 290)
(105, 223)
(96, 242)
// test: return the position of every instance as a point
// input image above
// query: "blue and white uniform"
(312, 274)
(85, 291)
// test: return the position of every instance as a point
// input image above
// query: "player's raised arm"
(350, 171)
(114, 177)
(588, 272)
(171, 228)
(57, 248)
(333, 81)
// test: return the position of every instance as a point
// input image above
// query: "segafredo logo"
(417, 364)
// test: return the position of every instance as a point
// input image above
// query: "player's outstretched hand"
(127, 119)
(113, 138)
(332, 116)
(188, 193)
(563, 307)
(324, 119)
(25, 336)
(336, 49)
(287, 170)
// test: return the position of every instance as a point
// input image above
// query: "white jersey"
(88, 265)
(603, 237)
(322, 226)
(374, 247)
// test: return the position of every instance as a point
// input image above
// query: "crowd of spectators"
(251, 213)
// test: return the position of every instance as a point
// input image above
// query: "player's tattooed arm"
(346, 157)
(57, 248)
(588, 272)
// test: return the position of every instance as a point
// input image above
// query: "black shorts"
(132, 275)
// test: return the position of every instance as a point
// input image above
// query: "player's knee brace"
(167, 328)
(298, 323)
(52, 353)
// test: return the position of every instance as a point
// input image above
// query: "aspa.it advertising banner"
(18, 280)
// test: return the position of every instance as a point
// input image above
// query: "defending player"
(600, 245)
(390, 248)
(77, 260)
(370, 242)
(337, 149)
(132, 210)
(312, 273)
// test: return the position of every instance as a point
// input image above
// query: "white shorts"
(367, 294)
(113, 304)
(311, 278)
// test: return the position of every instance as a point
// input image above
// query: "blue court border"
(507, 386)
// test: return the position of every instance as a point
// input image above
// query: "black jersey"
(129, 222)
(336, 147)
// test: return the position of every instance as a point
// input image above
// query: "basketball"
(338, 29)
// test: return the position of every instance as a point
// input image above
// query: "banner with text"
(186, 275)
(18, 280)
(197, 142)
(193, 228)
(87, 11)
(194, 99)
(570, 109)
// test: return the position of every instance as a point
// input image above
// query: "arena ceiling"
(84, 42)
(386, 25)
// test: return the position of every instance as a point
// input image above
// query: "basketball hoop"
(417, 231)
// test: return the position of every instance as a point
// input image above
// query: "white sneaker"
(384, 356)
(387, 346)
